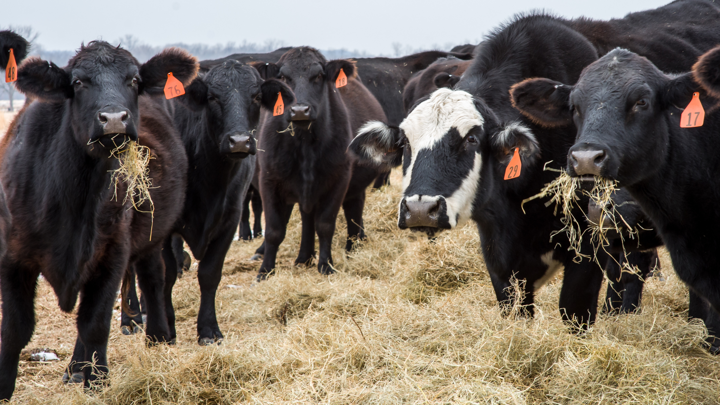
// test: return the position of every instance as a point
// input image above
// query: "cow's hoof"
(206, 341)
(126, 330)
(256, 257)
(77, 378)
(326, 269)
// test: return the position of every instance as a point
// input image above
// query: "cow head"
(10, 40)
(621, 106)
(454, 151)
(311, 77)
(231, 94)
(100, 85)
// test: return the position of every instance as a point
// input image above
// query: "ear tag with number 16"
(11, 70)
(173, 87)
(694, 114)
(514, 167)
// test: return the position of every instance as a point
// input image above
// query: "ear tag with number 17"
(514, 167)
(11, 70)
(173, 87)
(694, 114)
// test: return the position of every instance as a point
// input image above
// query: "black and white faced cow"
(307, 163)
(67, 225)
(629, 116)
(457, 144)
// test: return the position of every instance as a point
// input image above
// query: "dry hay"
(405, 320)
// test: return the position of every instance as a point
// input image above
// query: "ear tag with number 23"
(173, 87)
(513, 168)
(341, 80)
(694, 114)
(11, 70)
(279, 108)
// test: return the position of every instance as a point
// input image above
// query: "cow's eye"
(641, 103)
(211, 97)
(257, 97)
(77, 82)
(471, 139)
(135, 82)
(283, 78)
(318, 78)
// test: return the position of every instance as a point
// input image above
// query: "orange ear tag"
(279, 108)
(173, 87)
(11, 70)
(341, 80)
(513, 168)
(694, 114)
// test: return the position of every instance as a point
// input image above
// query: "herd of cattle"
(599, 98)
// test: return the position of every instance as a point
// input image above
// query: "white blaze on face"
(427, 125)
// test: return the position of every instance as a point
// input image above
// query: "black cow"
(466, 48)
(444, 72)
(216, 118)
(628, 114)
(68, 223)
(629, 252)
(458, 145)
(304, 159)
(245, 58)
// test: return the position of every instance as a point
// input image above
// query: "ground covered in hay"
(404, 320)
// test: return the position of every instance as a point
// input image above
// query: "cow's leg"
(353, 210)
(130, 324)
(18, 287)
(209, 275)
(178, 250)
(257, 214)
(74, 371)
(307, 241)
(171, 276)
(151, 278)
(382, 180)
(502, 287)
(633, 282)
(276, 220)
(95, 314)
(614, 294)
(325, 227)
(245, 232)
(580, 291)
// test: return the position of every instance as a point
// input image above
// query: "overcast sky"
(364, 25)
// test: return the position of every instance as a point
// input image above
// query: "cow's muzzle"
(242, 143)
(300, 112)
(596, 216)
(113, 122)
(420, 214)
(588, 162)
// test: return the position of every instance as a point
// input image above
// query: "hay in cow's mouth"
(134, 171)
(563, 193)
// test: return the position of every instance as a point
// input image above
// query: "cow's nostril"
(124, 116)
(600, 158)
(102, 118)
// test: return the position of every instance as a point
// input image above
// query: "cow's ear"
(377, 144)
(10, 40)
(44, 80)
(446, 80)
(270, 89)
(332, 69)
(154, 72)
(544, 101)
(707, 71)
(516, 135)
(679, 90)
(267, 70)
(196, 95)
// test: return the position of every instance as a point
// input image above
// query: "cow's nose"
(421, 213)
(588, 161)
(113, 122)
(300, 112)
(596, 217)
(242, 143)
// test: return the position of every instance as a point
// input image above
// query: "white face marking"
(427, 124)
(553, 267)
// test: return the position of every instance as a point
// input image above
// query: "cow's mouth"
(430, 231)
(111, 141)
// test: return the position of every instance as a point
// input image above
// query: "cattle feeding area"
(404, 320)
